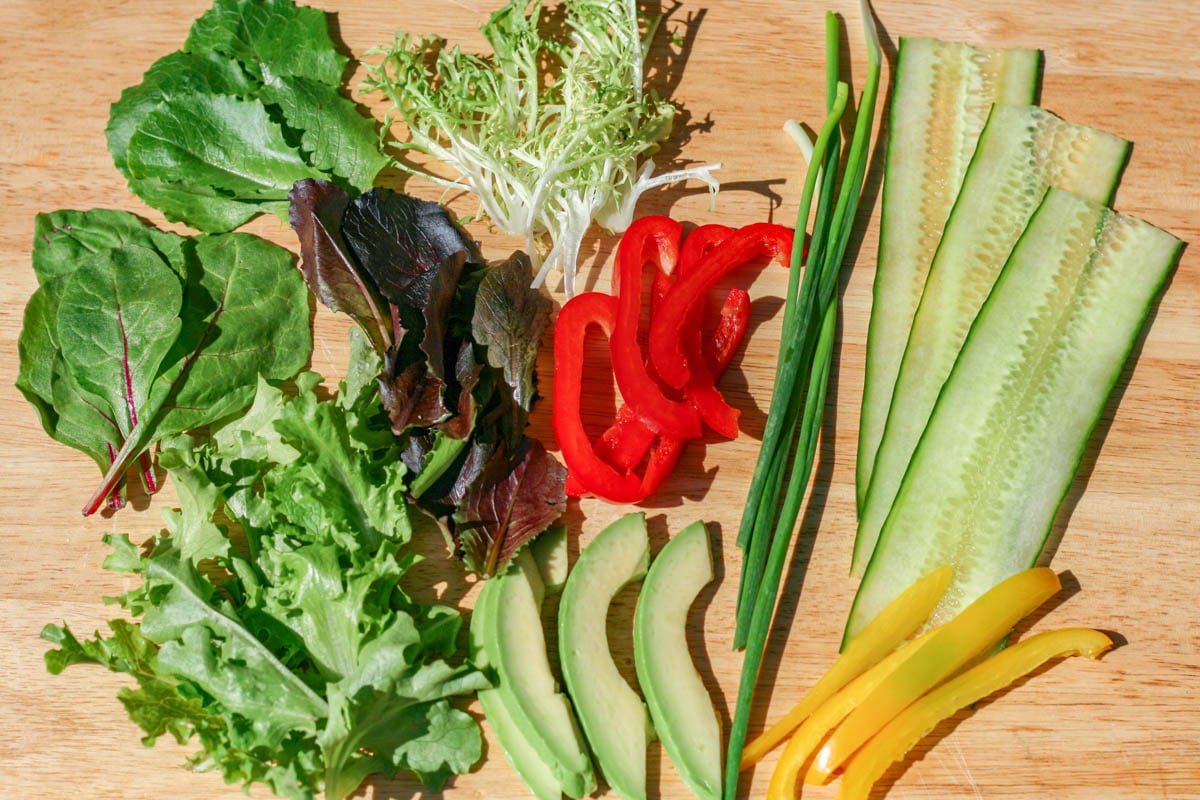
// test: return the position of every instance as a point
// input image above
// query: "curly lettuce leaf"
(276, 633)
(551, 132)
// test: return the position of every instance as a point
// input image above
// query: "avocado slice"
(613, 716)
(516, 646)
(549, 550)
(680, 706)
(517, 748)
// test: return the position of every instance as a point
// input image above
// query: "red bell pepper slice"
(625, 443)
(667, 348)
(702, 388)
(652, 239)
(581, 311)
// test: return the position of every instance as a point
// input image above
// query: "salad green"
(217, 132)
(457, 340)
(271, 624)
(548, 131)
(135, 334)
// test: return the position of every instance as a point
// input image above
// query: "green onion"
(806, 354)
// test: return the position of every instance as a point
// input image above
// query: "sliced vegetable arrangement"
(274, 626)
(549, 736)
(802, 373)
(1021, 152)
(1034, 299)
(1015, 415)
(932, 138)
(879, 698)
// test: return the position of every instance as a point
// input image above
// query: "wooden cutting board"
(1125, 727)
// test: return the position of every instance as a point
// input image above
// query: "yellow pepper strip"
(808, 737)
(881, 636)
(971, 633)
(898, 736)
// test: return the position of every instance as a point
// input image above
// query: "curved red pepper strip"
(649, 239)
(719, 350)
(588, 308)
(702, 388)
(625, 443)
(730, 330)
(667, 353)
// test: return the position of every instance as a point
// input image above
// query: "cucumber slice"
(1018, 409)
(941, 100)
(1022, 151)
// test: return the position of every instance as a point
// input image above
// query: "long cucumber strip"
(1016, 413)
(1022, 151)
(941, 100)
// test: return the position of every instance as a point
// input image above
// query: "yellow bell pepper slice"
(898, 737)
(881, 636)
(785, 779)
(949, 648)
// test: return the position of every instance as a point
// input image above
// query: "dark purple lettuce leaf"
(459, 343)
(443, 288)
(467, 372)
(316, 212)
(510, 319)
(414, 397)
(401, 242)
(510, 501)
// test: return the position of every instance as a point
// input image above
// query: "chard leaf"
(62, 239)
(37, 350)
(118, 318)
(247, 315)
(510, 319)
(136, 334)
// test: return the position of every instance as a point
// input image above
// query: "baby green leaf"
(117, 320)
(218, 132)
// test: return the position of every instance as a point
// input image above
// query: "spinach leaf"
(217, 133)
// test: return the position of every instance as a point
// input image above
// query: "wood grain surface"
(1128, 540)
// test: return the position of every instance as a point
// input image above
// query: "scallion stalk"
(806, 349)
